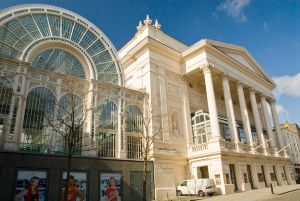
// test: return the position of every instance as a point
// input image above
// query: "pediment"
(241, 56)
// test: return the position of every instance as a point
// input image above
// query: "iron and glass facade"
(44, 51)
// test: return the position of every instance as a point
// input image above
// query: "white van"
(202, 187)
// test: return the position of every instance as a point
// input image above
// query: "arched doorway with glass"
(201, 127)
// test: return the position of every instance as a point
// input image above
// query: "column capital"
(240, 84)
(263, 96)
(224, 76)
(272, 100)
(252, 90)
(207, 67)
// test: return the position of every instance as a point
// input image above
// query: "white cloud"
(282, 113)
(280, 109)
(287, 85)
(234, 9)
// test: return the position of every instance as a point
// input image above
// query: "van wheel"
(178, 193)
(201, 193)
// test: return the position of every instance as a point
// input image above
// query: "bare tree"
(148, 128)
(67, 120)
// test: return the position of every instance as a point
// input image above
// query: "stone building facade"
(212, 99)
(291, 136)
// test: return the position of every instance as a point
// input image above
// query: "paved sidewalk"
(253, 195)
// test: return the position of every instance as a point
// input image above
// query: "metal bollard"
(272, 190)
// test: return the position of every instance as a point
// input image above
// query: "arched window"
(21, 31)
(108, 125)
(134, 121)
(6, 92)
(60, 61)
(37, 134)
(201, 127)
(108, 115)
(70, 111)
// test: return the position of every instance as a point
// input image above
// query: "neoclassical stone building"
(212, 99)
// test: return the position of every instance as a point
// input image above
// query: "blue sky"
(269, 29)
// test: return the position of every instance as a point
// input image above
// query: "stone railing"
(245, 147)
(229, 145)
(199, 147)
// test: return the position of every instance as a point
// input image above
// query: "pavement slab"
(253, 195)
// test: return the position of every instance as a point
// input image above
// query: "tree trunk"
(145, 179)
(68, 172)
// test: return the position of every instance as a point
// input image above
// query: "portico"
(240, 130)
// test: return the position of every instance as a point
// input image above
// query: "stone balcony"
(198, 150)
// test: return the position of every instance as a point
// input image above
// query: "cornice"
(194, 49)
(9, 60)
(149, 43)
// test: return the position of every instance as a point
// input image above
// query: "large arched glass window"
(108, 115)
(37, 134)
(59, 61)
(69, 112)
(6, 92)
(201, 127)
(22, 27)
(134, 121)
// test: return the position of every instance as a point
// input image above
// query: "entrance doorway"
(202, 172)
(250, 176)
(232, 175)
(263, 173)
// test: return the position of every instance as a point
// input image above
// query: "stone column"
(278, 174)
(211, 100)
(244, 113)
(121, 129)
(87, 140)
(21, 108)
(187, 112)
(229, 109)
(288, 176)
(267, 120)
(276, 124)
(258, 126)
(253, 169)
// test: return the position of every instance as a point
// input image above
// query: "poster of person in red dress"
(110, 187)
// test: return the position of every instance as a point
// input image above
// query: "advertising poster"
(111, 186)
(31, 178)
(80, 183)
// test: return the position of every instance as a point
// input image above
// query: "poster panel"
(26, 179)
(111, 186)
(80, 182)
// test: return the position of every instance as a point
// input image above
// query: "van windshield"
(184, 183)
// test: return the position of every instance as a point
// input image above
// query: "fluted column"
(229, 108)
(258, 126)
(211, 100)
(244, 113)
(267, 120)
(276, 124)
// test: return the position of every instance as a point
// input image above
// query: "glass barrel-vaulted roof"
(25, 25)
(59, 61)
